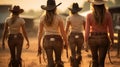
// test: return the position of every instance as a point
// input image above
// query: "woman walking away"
(52, 24)
(98, 25)
(75, 27)
(13, 26)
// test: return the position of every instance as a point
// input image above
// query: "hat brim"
(16, 11)
(75, 10)
(98, 2)
(49, 7)
(44, 7)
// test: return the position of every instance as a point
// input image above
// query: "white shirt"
(54, 29)
(76, 23)
(15, 27)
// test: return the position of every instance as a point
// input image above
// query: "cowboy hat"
(75, 7)
(50, 5)
(98, 2)
(16, 9)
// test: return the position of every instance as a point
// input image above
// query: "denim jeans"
(76, 41)
(99, 44)
(15, 43)
(53, 43)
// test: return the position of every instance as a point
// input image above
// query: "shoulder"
(21, 20)
(82, 17)
(58, 17)
(89, 14)
(8, 18)
(42, 19)
(108, 13)
(68, 17)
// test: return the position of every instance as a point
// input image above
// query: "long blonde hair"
(49, 16)
(99, 13)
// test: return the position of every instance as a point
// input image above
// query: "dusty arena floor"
(30, 58)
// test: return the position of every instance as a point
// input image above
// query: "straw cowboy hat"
(16, 9)
(75, 7)
(98, 2)
(50, 5)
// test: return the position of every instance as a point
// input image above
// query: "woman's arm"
(87, 28)
(87, 31)
(67, 26)
(110, 26)
(84, 24)
(63, 34)
(40, 32)
(4, 34)
(25, 35)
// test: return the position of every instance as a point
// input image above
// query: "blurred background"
(33, 11)
(32, 14)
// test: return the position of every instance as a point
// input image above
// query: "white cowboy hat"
(97, 2)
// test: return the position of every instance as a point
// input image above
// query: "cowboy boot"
(59, 64)
(79, 59)
(73, 62)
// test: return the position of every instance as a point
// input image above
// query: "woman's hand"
(66, 48)
(39, 50)
(111, 46)
(27, 45)
(85, 46)
(3, 45)
(66, 45)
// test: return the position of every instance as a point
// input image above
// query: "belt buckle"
(15, 36)
(52, 39)
(76, 36)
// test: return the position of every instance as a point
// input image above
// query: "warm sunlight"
(48, 32)
(35, 4)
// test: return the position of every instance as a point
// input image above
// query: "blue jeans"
(76, 41)
(53, 43)
(98, 44)
(15, 43)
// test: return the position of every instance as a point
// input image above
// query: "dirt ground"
(30, 58)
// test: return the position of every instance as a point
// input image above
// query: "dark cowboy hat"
(75, 7)
(16, 9)
(98, 2)
(50, 5)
